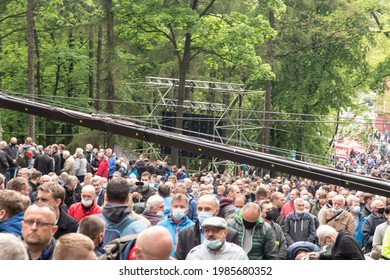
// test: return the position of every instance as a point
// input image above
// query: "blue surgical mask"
(356, 209)
(203, 216)
(305, 197)
(337, 211)
(299, 211)
(178, 214)
(213, 244)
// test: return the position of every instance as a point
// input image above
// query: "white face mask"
(160, 214)
(86, 203)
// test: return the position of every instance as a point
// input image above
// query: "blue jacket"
(192, 208)
(13, 225)
(111, 166)
(359, 230)
(174, 229)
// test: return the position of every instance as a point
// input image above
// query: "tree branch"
(207, 8)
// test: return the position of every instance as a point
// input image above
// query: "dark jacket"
(3, 162)
(280, 240)
(44, 163)
(66, 224)
(47, 253)
(369, 227)
(345, 248)
(11, 151)
(300, 228)
(57, 162)
(189, 238)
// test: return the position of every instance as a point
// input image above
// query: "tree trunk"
(41, 123)
(110, 70)
(70, 87)
(98, 67)
(268, 85)
(30, 64)
(90, 75)
(184, 66)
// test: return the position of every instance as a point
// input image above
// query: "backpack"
(114, 231)
(24, 157)
(119, 248)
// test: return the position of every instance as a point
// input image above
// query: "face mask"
(213, 244)
(249, 225)
(306, 210)
(178, 214)
(337, 211)
(268, 215)
(356, 209)
(86, 203)
(211, 191)
(381, 210)
(305, 197)
(160, 214)
(203, 216)
(299, 212)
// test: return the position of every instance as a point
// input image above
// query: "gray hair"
(12, 248)
(152, 201)
(298, 200)
(375, 203)
(326, 230)
(3, 145)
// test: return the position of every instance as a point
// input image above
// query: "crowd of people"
(92, 205)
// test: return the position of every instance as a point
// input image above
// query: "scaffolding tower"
(223, 102)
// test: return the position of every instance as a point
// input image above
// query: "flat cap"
(215, 222)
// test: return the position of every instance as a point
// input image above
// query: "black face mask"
(268, 215)
(248, 225)
(381, 210)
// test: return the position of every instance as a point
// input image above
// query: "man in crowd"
(299, 224)
(117, 212)
(11, 212)
(289, 206)
(373, 220)
(99, 190)
(11, 151)
(74, 246)
(337, 216)
(280, 239)
(215, 246)
(144, 249)
(53, 195)
(154, 210)
(344, 246)
(189, 237)
(38, 229)
(87, 206)
(44, 162)
(178, 219)
(257, 237)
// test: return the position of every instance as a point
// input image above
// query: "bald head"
(161, 250)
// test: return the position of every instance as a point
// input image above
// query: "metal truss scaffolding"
(224, 103)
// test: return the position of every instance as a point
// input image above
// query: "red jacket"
(77, 211)
(103, 168)
(287, 208)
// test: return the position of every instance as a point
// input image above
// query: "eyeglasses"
(39, 224)
(212, 230)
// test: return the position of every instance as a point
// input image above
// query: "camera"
(139, 183)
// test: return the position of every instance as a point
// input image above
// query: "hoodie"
(13, 225)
